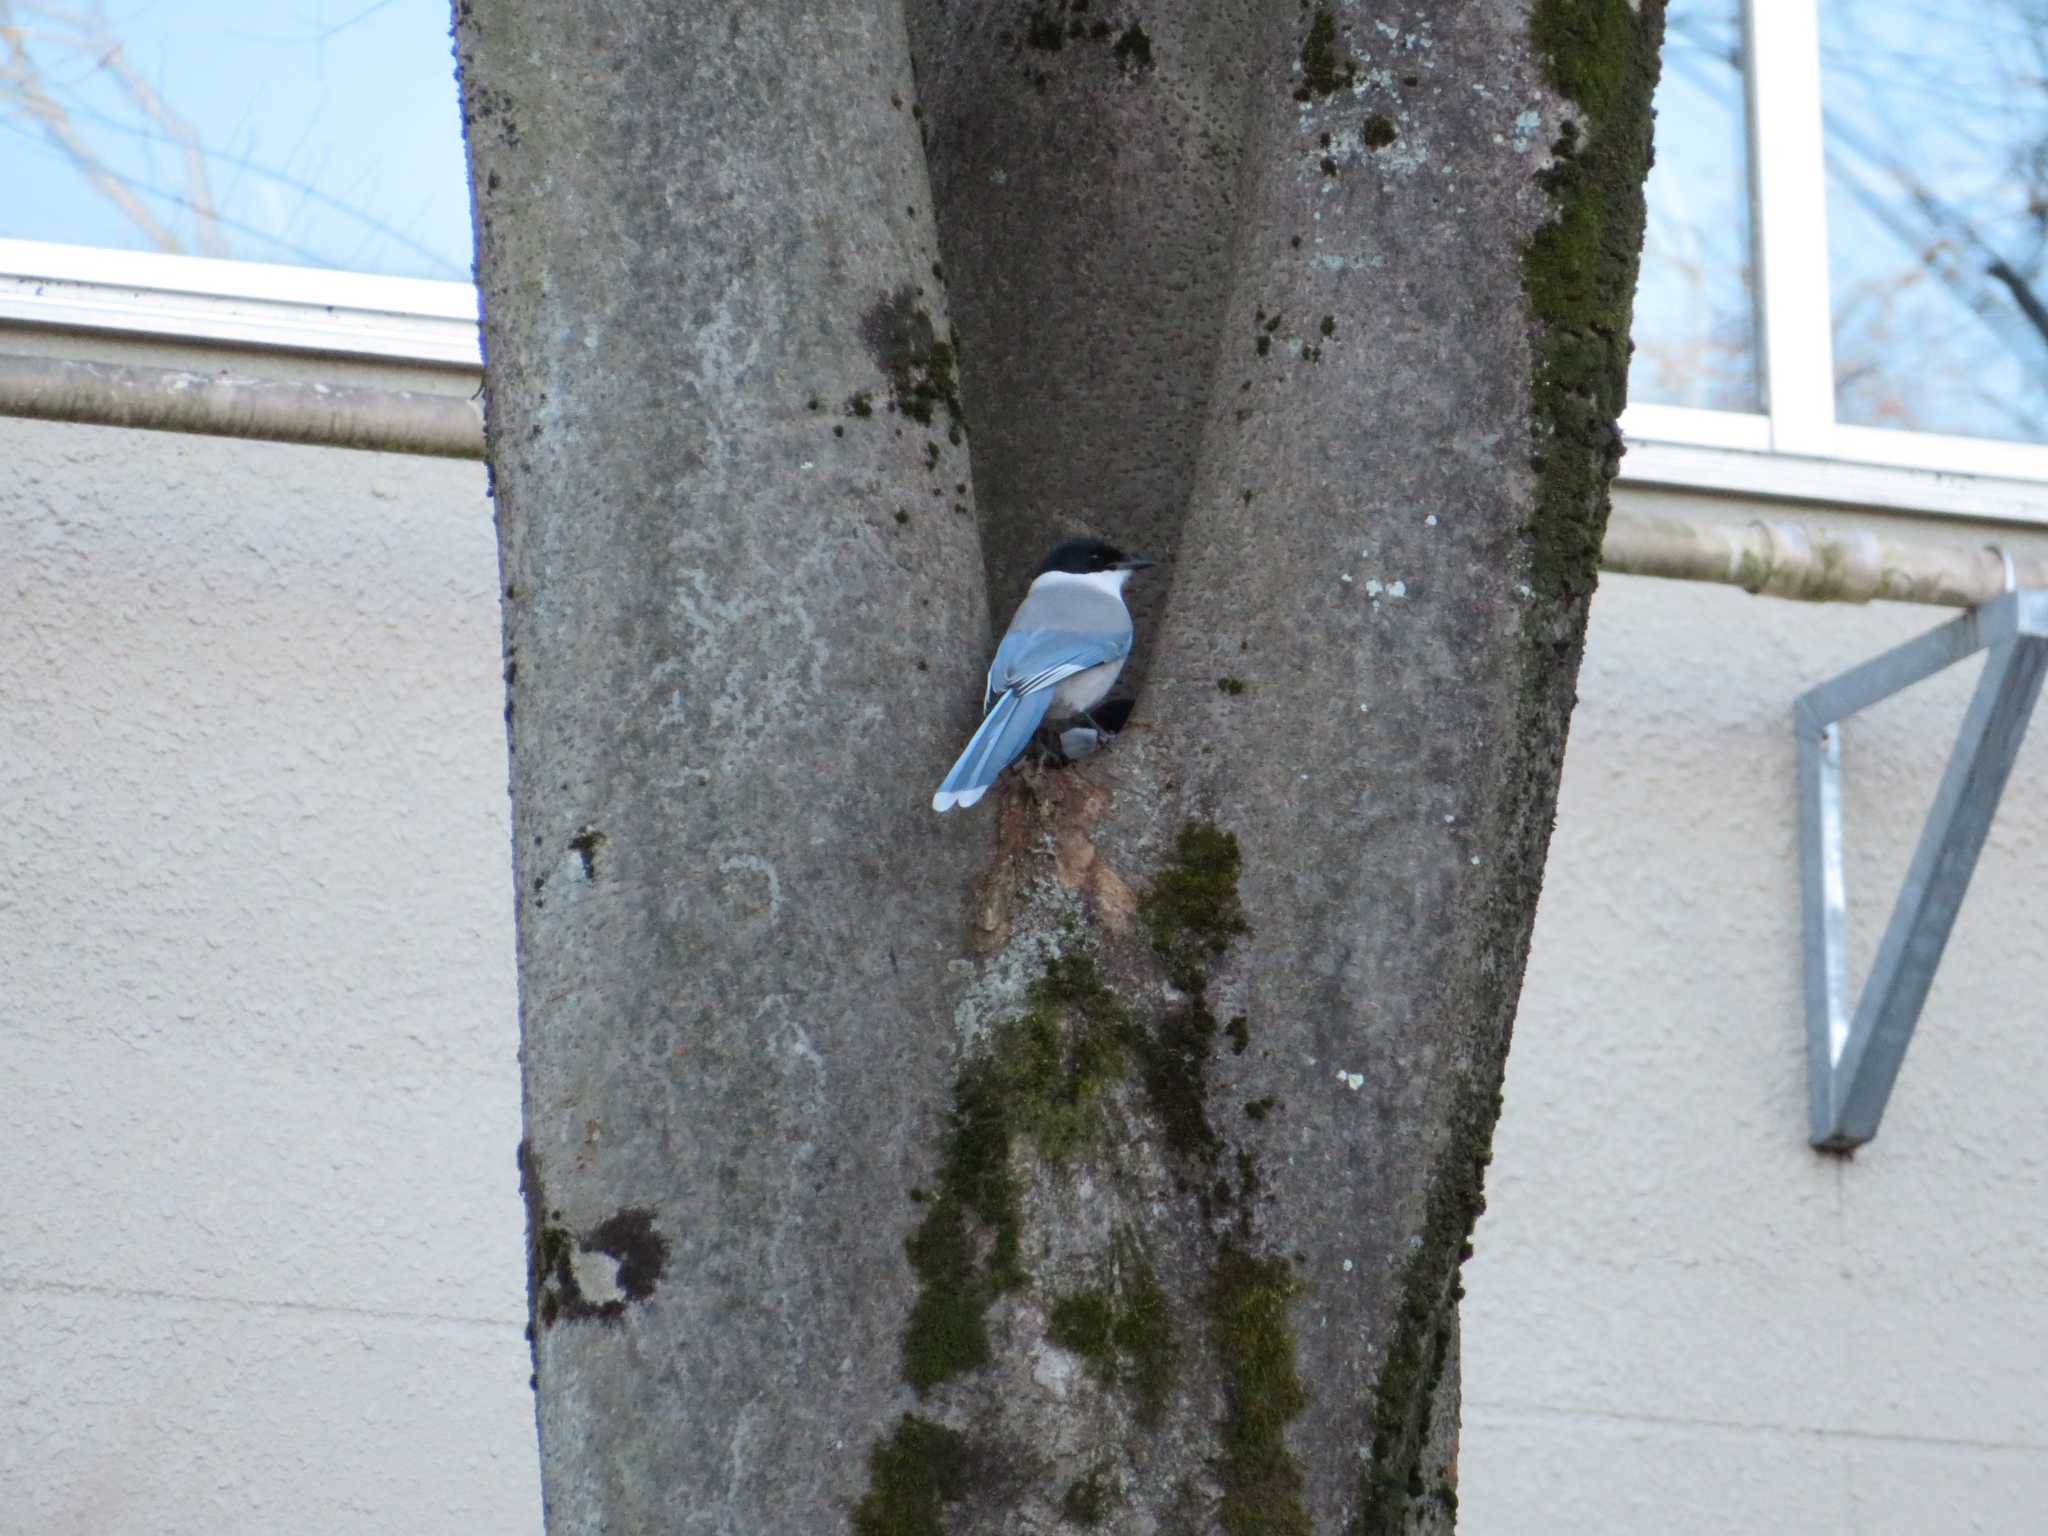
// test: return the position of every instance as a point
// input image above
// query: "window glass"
(311, 132)
(1936, 117)
(1695, 325)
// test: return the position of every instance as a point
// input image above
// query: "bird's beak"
(1136, 563)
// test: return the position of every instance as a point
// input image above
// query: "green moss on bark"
(1060, 1059)
(920, 364)
(1414, 1361)
(912, 1476)
(1081, 1322)
(1248, 1317)
(1045, 1077)
(1174, 1068)
(1042, 1076)
(1578, 274)
(1088, 1500)
(1124, 1333)
(1192, 911)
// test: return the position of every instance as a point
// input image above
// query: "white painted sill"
(349, 314)
(239, 303)
(1725, 453)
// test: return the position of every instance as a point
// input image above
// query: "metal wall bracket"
(1853, 1058)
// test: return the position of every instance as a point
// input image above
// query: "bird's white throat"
(1111, 582)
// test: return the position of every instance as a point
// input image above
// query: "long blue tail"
(1002, 736)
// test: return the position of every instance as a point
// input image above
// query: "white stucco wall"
(262, 1260)
(262, 1266)
(1679, 1318)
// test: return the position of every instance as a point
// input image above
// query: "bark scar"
(1057, 810)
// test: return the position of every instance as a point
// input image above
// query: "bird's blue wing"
(1002, 736)
(1029, 664)
(1029, 660)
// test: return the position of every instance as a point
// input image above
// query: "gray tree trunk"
(1104, 1157)
(1085, 163)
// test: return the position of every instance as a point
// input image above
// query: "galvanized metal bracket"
(1853, 1057)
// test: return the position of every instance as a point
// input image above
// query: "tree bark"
(1118, 1175)
(722, 427)
(1084, 160)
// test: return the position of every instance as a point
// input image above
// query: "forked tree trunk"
(1105, 1156)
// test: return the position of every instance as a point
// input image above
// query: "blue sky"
(329, 129)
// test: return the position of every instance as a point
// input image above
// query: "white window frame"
(1795, 449)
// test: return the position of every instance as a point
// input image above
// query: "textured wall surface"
(262, 1263)
(262, 1268)
(1680, 1319)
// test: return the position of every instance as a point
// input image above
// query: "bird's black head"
(1084, 557)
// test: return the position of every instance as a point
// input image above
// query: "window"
(177, 163)
(1875, 329)
(1695, 326)
(319, 133)
(1845, 280)
(1935, 123)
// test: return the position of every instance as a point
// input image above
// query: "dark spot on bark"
(1043, 31)
(920, 364)
(585, 845)
(553, 1292)
(1378, 132)
(1324, 69)
(1133, 50)
(642, 1252)
(1087, 1501)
